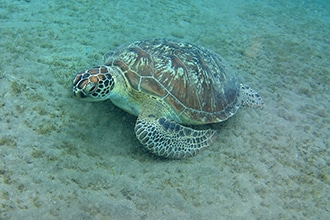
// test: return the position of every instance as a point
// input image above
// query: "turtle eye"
(90, 87)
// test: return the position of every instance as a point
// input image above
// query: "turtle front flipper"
(250, 98)
(169, 139)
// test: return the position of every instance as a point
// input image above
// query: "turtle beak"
(78, 84)
(78, 94)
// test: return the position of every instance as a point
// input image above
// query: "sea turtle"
(170, 86)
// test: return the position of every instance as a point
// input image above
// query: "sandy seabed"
(61, 158)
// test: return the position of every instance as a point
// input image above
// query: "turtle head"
(94, 84)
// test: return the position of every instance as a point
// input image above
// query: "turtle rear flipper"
(250, 98)
(169, 139)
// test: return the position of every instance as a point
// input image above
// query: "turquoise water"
(61, 158)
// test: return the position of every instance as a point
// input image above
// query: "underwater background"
(62, 158)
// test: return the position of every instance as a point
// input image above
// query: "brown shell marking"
(191, 79)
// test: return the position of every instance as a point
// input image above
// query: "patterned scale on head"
(170, 86)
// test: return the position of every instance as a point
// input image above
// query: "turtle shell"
(195, 82)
